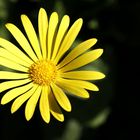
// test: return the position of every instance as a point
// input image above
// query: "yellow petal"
(51, 31)
(12, 75)
(61, 32)
(31, 104)
(29, 29)
(10, 84)
(83, 60)
(69, 39)
(10, 64)
(18, 35)
(44, 105)
(10, 95)
(78, 50)
(6, 54)
(21, 99)
(78, 84)
(83, 75)
(42, 27)
(61, 97)
(14, 50)
(54, 108)
(73, 90)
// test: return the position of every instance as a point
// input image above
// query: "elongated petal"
(61, 97)
(44, 104)
(12, 75)
(10, 84)
(79, 92)
(83, 60)
(51, 31)
(78, 84)
(54, 108)
(83, 75)
(31, 104)
(18, 35)
(42, 27)
(10, 64)
(29, 29)
(21, 99)
(78, 50)
(14, 50)
(10, 95)
(6, 54)
(74, 90)
(69, 38)
(61, 32)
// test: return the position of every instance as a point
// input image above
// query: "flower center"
(43, 72)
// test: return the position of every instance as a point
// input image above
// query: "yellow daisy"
(39, 71)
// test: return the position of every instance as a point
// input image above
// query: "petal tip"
(54, 14)
(67, 18)
(27, 118)
(47, 121)
(101, 50)
(68, 109)
(7, 25)
(12, 111)
(62, 119)
(23, 16)
(41, 9)
(80, 21)
(102, 75)
(96, 89)
(3, 101)
(87, 96)
(95, 40)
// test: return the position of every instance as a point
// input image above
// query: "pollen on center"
(43, 72)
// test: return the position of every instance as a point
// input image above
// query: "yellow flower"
(41, 71)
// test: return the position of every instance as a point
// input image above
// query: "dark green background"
(111, 114)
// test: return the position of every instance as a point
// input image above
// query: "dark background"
(115, 23)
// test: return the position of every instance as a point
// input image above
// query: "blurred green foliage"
(3, 17)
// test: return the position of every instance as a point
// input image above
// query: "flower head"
(40, 72)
